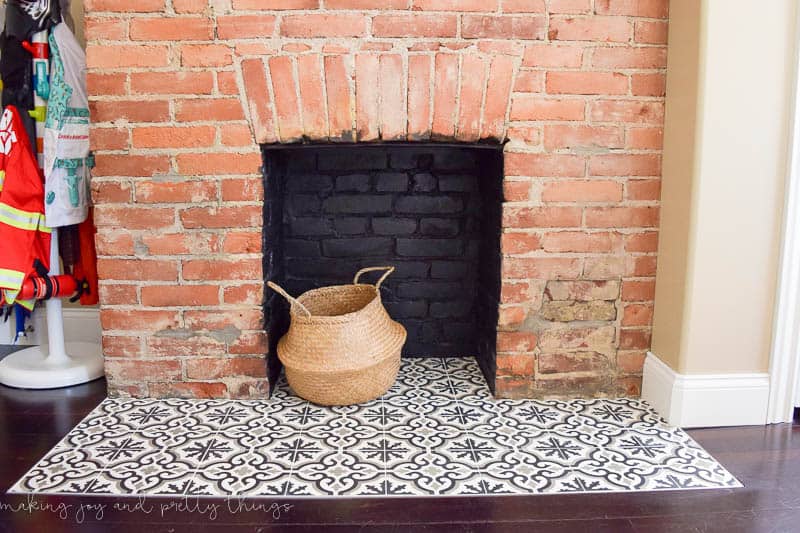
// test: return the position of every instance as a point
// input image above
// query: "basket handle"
(293, 301)
(388, 270)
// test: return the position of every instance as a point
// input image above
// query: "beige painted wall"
(76, 10)
(729, 87)
(678, 170)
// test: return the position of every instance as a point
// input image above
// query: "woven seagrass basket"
(342, 348)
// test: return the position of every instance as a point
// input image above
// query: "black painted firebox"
(432, 211)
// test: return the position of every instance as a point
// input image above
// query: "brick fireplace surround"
(184, 92)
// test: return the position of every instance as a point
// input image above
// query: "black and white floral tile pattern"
(437, 431)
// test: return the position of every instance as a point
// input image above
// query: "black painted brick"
(473, 249)
(428, 205)
(439, 227)
(432, 290)
(429, 247)
(357, 247)
(391, 182)
(353, 182)
(454, 159)
(309, 183)
(311, 226)
(358, 203)
(350, 225)
(413, 348)
(394, 226)
(474, 204)
(423, 182)
(409, 269)
(458, 183)
(300, 248)
(454, 331)
(425, 294)
(404, 159)
(450, 269)
(425, 161)
(305, 204)
(303, 161)
(431, 332)
(407, 309)
(357, 159)
(454, 309)
(335, 268)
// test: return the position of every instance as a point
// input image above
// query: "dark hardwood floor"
(765, 459)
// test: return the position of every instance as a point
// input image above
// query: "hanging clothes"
(16, 71)
(26, 17)
(20, 316)
(67, 161)
(85, 270)
(24, 237)
(23, 18)
(69, 247)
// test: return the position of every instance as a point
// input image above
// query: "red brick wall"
(182, 92)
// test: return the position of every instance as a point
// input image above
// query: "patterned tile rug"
(438, 431)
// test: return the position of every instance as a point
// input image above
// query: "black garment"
(26, 17)
(23, 19)
(69, 247)
(16, 71)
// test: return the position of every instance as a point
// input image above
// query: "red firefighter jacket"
(24, 238)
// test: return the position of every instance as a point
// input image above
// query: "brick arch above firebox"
(374, 97)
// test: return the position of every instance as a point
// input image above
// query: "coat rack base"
(34, 368)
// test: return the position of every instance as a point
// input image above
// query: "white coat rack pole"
(55, 318)
(58, 364)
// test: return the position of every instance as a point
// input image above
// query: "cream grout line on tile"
(470, 431)
(196, 470)
(300, 433)
(383, 434)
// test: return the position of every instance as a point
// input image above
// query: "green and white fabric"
(66, 141)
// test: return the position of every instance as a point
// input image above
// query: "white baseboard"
(35, 329)
(705, 400)
(6, 330)
(81, 324)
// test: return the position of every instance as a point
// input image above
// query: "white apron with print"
(67, 160)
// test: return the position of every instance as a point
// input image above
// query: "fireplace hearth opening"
(432, 211)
